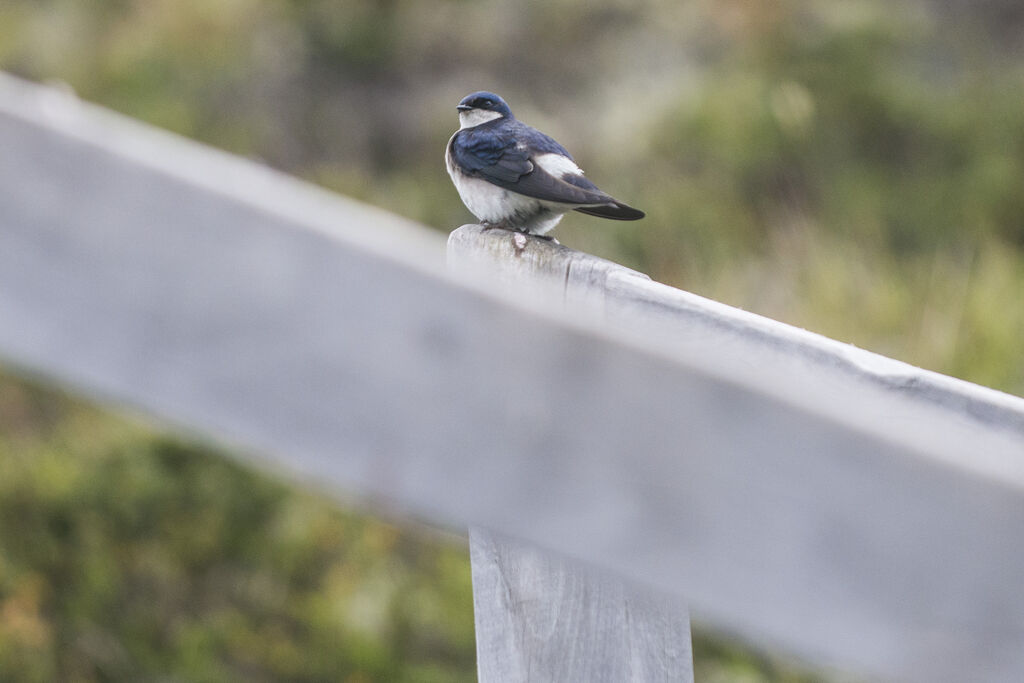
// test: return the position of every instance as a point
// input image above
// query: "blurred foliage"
(126, 556)
(856, 168)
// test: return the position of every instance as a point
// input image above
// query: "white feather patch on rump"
(557, 165)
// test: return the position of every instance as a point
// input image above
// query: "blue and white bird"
(512, 176)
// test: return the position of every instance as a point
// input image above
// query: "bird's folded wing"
(499, 160)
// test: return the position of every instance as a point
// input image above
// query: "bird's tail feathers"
(616, 211)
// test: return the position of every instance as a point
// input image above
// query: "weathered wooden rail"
(796, 490)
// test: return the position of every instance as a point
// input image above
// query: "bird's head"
(481, 107)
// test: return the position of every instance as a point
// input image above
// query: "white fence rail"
(794, 489)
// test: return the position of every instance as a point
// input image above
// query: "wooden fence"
(798, 491)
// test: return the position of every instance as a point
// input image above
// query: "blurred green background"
(853, 167)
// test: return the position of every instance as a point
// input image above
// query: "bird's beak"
(463, 107)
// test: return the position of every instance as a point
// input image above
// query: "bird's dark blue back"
(495, 143)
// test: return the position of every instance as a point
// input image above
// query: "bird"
(510, 175)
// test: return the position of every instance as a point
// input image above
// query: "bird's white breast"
(486, 201)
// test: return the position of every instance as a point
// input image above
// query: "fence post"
(541, 617)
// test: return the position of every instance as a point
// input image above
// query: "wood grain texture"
(540, 618)
(633, 300)
(850, 520)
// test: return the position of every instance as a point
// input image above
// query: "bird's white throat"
(474, 117)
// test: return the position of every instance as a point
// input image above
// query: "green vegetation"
(855, 168)
(126, 556)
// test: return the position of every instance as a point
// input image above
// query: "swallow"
(512, 176)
